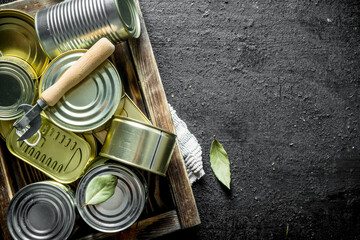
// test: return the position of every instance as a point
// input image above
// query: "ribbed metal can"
(78, 24)
(122, 209)
(139, 145)
(88, 105)
(41, 211)
(17, 86)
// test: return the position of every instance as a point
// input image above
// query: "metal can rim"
(137, 27)
(118, 117)
(104, 120)
(31, 21)
(93, 171)
(66, 195)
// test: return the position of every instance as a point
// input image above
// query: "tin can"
(18, 39)
(89, 104)
(17, 86)
(130, 110)
(138, 144)
(60, 154)
(42, 210)
(122, 209)
(78, 24)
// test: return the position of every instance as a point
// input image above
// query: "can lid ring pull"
(22, 131)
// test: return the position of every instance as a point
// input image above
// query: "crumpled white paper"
(189, 148)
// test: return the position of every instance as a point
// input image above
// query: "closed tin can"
(138, 144)
(122, 209)
(88, 105)
(41, 211)
(60, 154)
(18, 39)
(17, 86)
(78, 24)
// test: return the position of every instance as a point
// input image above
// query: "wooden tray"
(171, 205)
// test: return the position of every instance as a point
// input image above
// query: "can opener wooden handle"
(87, 63)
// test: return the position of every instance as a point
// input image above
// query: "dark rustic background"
(278, 83)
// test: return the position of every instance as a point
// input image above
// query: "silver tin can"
(78, 24)
(122, 209)
(88, 105)
(17, 86)
(42, 210)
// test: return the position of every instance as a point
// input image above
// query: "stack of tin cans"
(66, 147)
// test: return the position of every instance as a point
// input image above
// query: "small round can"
(89, 104)
(17, 86)
(41, 211)
(18, 39)
(138, 144)
(122, 209)
(77, 24)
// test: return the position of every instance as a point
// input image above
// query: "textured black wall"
(278, 83)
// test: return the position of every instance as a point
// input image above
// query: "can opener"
(96, 55)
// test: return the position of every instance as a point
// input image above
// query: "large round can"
(122, 209)
(78, 24)
(17, 86)
(41, 211)
(138, 144)
(89, 104)
(18, 39)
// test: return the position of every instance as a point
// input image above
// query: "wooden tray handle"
(87, 63)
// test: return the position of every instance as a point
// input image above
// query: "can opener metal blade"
(30, 123)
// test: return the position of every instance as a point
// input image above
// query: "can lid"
(16, 88)
(129, 17)
(19, 39)
(89, 104)
(123, 208)
(60, 154)
(41, 211)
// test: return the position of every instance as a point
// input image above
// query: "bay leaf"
(100, 189)
(220, 164)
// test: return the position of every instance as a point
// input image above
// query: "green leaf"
(100, 189)
(220, 163)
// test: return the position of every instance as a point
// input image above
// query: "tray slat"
(158, 109)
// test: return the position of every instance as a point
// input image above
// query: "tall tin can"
(42, 211)
(78, 24)
(122, 209)
(18, 39)
(88, 105)
(18, 85)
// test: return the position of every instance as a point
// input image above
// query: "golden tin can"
(42, 211)
(89, 104)
(122, 209)
(78, 24)
(130, 110)
(19, 39)
(127, 109)
(60, 154)
(17, 86)
(139, 145)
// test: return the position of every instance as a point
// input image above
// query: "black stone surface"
(278, 83)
